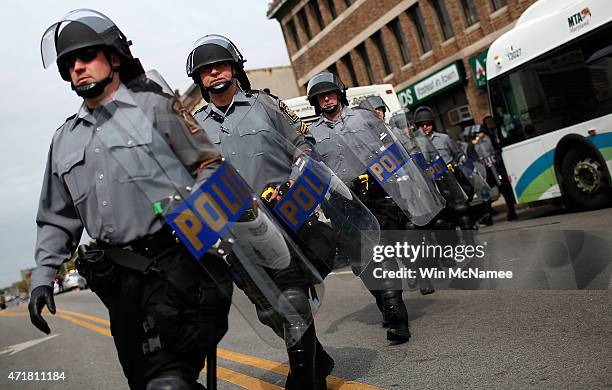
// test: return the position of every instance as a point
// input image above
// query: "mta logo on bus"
(387, 163)
(579, 20)
(208, 213)
(304, 196)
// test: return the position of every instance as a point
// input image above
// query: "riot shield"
(427, 158)
(489, 158)
(157, 146)
(475, 173)
(316, 209)
(373, 150)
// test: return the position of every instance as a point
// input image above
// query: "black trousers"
(163, 322)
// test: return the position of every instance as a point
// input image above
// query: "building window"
(497, 4)
(346, 61)
(293, 33)
(332, 8)
(304, 21)
(398, 34)
(469, 12)
(445, 22)
(382, 51)
(314, 5)
(417, 19)
(363, 55)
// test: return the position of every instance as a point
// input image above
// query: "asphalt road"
(511, 336)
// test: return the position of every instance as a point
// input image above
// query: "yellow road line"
(95, 328)
(333, 382)
(13, 314)
(242, 380)
(85, 316)
(224, 374)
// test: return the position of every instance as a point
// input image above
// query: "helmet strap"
(331, 110)
(92, 90)
(220, 88)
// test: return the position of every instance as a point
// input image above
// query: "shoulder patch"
(185, 116)
(303, 128)
(290, 113)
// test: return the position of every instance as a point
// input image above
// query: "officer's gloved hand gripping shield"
(428, 159)
(387, 162)
(158, 146)
(312, 204)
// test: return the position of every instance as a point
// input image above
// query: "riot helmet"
(211, 49)
(322, 83)
(424, 115)
(82, 29)
(377, 104)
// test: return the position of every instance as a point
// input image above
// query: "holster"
(96, 268)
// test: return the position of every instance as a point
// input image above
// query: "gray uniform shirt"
(259, 136)
(347, 144)
(107, 167)
(484, 148)
(449, 150)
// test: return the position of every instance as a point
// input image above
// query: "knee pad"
(295, 308)
(272, 319)
(169, 383)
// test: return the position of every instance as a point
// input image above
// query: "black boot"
(381, 306)
(302, 375)
(324, 365)
(426, 286)
(300, 339)
(486, 218)
(396, 316)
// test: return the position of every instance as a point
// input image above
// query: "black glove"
(41, 296)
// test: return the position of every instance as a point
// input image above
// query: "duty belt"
(148, 246)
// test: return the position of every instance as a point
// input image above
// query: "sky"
(36, 101)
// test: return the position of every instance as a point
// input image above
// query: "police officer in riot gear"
(450, 152)
(244, 123)
(327, 94)
(376, 104)
(166, 311)
(490, 157)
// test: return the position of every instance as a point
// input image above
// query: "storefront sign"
(432, 85)
(478, 66)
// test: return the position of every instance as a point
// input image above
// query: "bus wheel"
(584, 183)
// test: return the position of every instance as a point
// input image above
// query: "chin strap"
(220, 88)
(330, 110)
(91, 90)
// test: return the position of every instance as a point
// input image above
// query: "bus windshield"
(566, 86)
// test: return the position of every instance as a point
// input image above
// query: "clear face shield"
(98, 23)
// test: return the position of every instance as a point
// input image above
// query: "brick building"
(430, 50)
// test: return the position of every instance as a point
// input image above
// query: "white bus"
(354, 95)
(550, 87)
